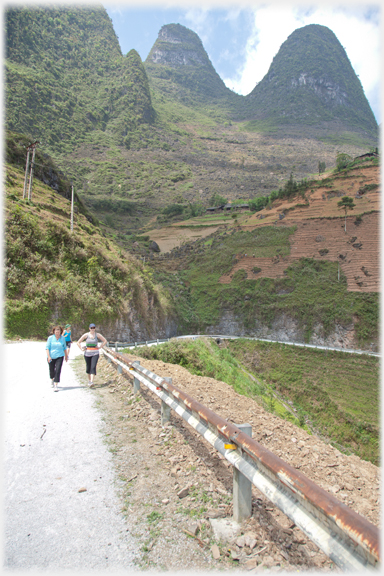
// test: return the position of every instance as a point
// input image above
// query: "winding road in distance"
(315, 346)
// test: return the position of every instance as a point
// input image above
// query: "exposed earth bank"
(157, 463)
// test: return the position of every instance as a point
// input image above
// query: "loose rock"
(215, 552)
(183, 493)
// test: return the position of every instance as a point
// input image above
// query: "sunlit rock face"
(177, 46)
(179, 59)
(328, 92)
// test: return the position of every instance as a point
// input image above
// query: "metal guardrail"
(347, 538)
(220, 337)
(139, 343)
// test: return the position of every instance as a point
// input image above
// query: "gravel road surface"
(53, 449)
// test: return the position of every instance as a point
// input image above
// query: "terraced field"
(320, 229)
(321, 202)
(357, 251)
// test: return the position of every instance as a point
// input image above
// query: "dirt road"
(62, 509)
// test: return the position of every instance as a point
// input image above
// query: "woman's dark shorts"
(91, 362)
(69, 343)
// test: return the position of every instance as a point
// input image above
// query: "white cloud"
(272, 25)
(198, 19)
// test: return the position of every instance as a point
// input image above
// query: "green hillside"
(67, 82)
(310, 293)
(136, 138)
(55, 275)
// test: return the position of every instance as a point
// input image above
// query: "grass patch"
(154, 517)
(346, 138)
(339, 392)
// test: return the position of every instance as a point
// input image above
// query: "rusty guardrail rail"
(347, 538)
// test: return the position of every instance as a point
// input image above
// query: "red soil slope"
(357, 251)
(320, 231)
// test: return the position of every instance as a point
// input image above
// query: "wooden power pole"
(31, 175)
(72, 210)
(26, 174)
(29, 148)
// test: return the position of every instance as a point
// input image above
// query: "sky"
(241, 39)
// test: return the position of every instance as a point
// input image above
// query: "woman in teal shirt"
(67, 335)
(56, 352)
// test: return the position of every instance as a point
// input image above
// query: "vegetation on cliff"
(55, 275)
(67, 82)
(179, 58)
(311, 81)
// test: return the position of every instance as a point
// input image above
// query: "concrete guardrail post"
(115, 346)
(165, 409)
(242, 488)
(136, 382)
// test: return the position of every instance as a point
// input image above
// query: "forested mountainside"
(53, 274)
(67, 82)
(136, 138)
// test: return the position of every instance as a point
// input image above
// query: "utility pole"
(72, 210)
(29, 148)
(31, 175)
(26, 174)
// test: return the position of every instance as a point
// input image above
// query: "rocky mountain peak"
(311, 80)
(178, 58)
(178, 46)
